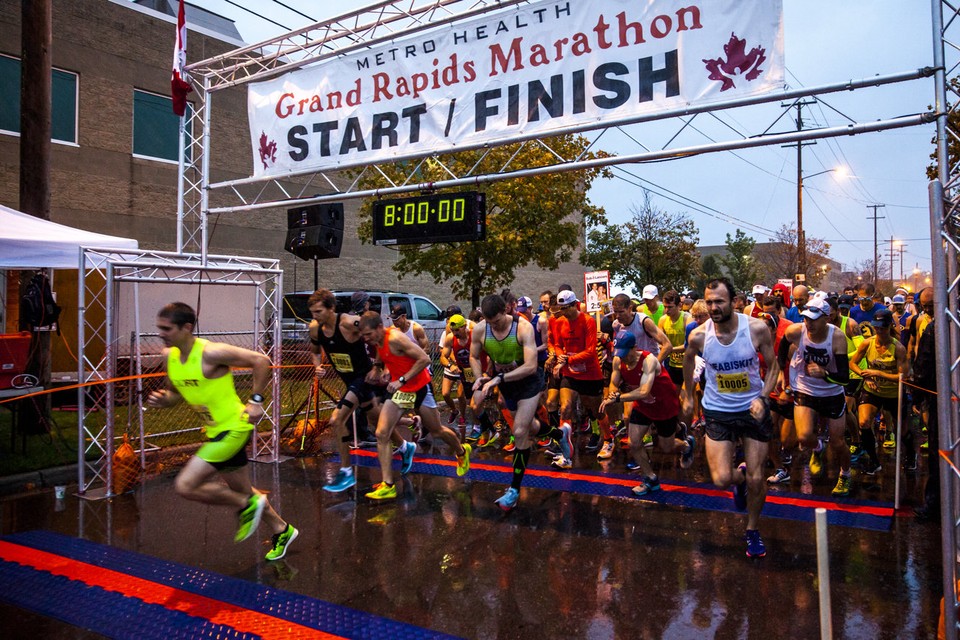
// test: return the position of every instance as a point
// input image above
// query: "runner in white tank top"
(735, 400)
(818, 372)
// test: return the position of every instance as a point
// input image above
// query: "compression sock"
(520, 459)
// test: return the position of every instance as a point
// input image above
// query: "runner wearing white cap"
(651, 303)
(819, 370)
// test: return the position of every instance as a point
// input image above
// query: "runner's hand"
(254, 411)
(758, 409)
(159, 398)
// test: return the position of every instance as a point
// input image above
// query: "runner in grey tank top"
(819, 370)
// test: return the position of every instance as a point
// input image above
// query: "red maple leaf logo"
(737, 62)
(268, 151)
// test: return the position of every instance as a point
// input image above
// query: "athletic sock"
(869, 443)
(594, 426)
(554, 418)
(549, 431)
(520, 459)
(485, 423)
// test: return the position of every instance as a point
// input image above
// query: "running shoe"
(786, 459)
(740, 489)
(890, 442)
(779, 477)
(462, 421)
(368, 442)
(406, 458)
(510, 446)
(491, 441)
(843, 486)
(463, 462)
(562, 462)
(484, 439)
(606, 452)
(925, 445)
(508, 500)
(686, 458)
(474, 435)
(871, 469)
(910, 462)
(566, 445)
(755, 546)
(647, 486)
(249, 517)
(383, 491)
(816, 464)
(543, 443)
(593, 444)
(585, 426)
(281, 541)
(632, 467)
(856, 453)
(453, 417)
(648, 440)
(342, 482)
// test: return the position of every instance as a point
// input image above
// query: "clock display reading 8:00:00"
(420, 212)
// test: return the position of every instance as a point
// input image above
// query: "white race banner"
(537, 69)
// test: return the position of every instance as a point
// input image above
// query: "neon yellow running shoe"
(281, 541)
(249, 517)
(463, 462)
(816, 464)
(383, 491)
(843, 486)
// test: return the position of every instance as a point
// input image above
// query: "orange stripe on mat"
(216, 611)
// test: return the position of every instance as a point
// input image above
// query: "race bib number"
(733, 382)
(204, 414)
(676, 360)
(341, 362)
(468, 375)
(404, 399)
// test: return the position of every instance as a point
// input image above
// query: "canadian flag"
(179, 86)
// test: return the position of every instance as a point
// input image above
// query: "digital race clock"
(447, 217)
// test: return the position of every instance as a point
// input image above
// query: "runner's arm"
(666, 347)
(651, 369)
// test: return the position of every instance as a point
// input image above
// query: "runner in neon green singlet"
(199, 372)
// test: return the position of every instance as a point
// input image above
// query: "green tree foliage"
(709, 269)
(739, 261)
(953, 124)
(652, 247)
(539, 220)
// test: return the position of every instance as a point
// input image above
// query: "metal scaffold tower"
(944, 244)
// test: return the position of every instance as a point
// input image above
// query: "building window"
(64, 101)
(156, 128)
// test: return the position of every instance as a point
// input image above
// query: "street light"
(801, 236)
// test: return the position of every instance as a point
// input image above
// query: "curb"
(34, 480)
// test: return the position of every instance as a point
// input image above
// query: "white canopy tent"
(28, 242)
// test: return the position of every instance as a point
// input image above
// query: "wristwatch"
(402, 380)
(256, 398)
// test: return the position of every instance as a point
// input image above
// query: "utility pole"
(892, 254)
(801, 235)
(875, 217)
(902, 247)
(36, 80)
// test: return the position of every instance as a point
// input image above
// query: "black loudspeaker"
(315, 242)
(324, 215)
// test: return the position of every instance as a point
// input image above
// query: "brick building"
(114, 164)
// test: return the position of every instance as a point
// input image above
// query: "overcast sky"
(825, 42)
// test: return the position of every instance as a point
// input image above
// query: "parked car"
(296, 315)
